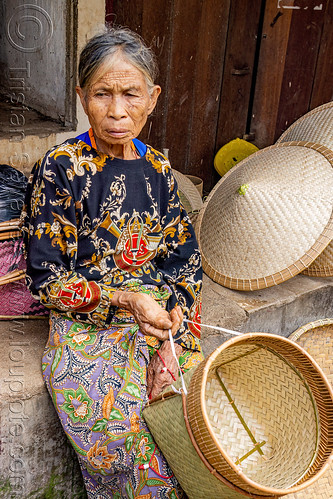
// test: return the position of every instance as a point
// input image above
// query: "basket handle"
(172, 343)
(9, 234)
(10, 229)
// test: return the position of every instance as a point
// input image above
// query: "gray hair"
(99, 48)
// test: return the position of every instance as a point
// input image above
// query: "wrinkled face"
(118, 103)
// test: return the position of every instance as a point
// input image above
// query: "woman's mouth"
(117, 133)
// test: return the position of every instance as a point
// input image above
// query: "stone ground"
(36, 461)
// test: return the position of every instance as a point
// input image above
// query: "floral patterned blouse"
(93, 224)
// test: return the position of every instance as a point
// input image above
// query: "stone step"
(278, 310)
(36, 459)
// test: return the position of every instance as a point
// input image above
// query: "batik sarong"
(97, 381)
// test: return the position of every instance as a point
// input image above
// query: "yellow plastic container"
(232, 153)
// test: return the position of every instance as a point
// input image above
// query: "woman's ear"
(153, 98)
(82, 94)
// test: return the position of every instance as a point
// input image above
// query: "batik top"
(93, 224)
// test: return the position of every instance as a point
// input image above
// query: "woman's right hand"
(152, 319)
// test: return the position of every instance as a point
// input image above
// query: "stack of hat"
(270, 216)
(315, 126)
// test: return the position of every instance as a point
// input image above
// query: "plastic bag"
(13, 184)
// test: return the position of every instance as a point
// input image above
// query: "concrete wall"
(23, 154)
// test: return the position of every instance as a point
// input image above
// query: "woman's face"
(117, 105)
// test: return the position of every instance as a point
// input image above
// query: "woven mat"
(269, 217)
(317, 339)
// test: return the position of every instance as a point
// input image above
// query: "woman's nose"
(117, 108)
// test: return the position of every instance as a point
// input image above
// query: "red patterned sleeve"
(49, 228)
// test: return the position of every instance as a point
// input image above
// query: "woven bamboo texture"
(261, 413)
(15, 299)
(174, 441)
(315, 126)
(269, 217)
(189, 196)
(323, 264)
(317, 339)
(198, 183)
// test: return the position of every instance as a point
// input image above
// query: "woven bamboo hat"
(315, 126)
(322, 265)
(257, 421)
(189, 195)
(317, 339)
(269, 217)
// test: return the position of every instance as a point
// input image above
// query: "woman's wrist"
(122, 299)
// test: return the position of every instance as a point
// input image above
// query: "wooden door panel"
(323, 81)
(273, 48)
(209, 97)
(300, 63)
(238, 70)
(206, 89)
(157, 32)
(181, 78)
(292, 32)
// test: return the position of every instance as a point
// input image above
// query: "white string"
(180, 371)
(229, 331)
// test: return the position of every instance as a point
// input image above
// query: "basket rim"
(295, 335)
(251, 284)
(248, 481)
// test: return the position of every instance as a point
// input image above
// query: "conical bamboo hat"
(315, 126)
(269, 217)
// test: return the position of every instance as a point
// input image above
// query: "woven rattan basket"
(315, 126)
(317, 339)
(269, 217)
(189, 196)
(15, 298)
(259, 413)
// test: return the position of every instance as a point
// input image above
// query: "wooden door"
(230, 68)
(295, 65)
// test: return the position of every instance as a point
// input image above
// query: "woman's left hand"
(158, 378)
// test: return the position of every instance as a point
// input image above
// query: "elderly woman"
(111, 251)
